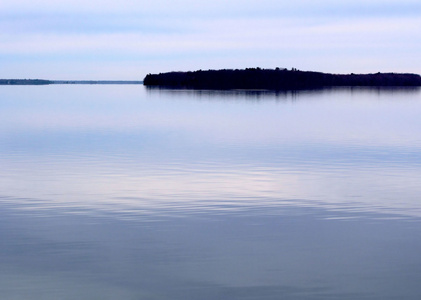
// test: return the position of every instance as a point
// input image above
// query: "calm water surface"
(119, 192)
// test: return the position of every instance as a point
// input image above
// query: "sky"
(127, 39)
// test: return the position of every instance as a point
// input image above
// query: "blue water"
(120, 192)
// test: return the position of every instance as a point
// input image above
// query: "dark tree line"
(274, 79)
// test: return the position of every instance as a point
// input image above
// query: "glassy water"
(120, 192)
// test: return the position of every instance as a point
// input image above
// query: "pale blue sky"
(126, 39)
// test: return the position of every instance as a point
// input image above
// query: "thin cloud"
(346, 36)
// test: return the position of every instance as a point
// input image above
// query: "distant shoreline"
(96, 82)
(48, 82)
(275, 79)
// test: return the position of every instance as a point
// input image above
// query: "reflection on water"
(125, 192)
(266, 95)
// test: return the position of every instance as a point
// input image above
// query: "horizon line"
(48, 81)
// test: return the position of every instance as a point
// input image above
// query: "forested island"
(275, 79)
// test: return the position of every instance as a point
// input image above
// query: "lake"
(124, 192)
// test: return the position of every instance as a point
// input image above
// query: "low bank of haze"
(125, 40)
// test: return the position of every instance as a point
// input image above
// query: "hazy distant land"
(44, 82)
(96, 82)
(24, 82)
(275, 79)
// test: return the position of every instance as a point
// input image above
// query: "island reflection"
(277, 94)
